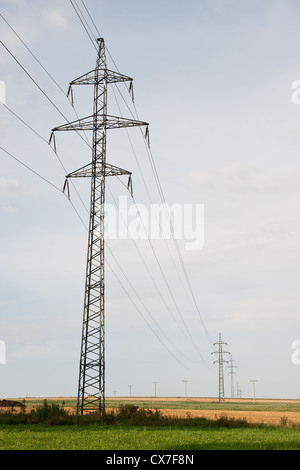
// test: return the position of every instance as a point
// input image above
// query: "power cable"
(38, 86)
(126, 277)
(155, 173)
(42, 66)
(154, 169)
(80, 16)
(82, 20)
(45, 94)
(33, 55)
(153, 250)
(158, 183)
(153, 281)
(24, 122)
(150, 199)
(42, 178)
(85, 21)
(45, 141)
(58, 189)
(91, 18)
(30, 169)
(168, 286)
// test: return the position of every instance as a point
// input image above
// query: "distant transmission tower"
(238, 391)
(91, 388)
(221, 361)
(231, 367)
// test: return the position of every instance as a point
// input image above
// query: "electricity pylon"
(91, 387)
(221, 361)
(231, 373)
(238, 391)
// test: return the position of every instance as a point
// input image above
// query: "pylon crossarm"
(111, 170)
(83, 172)
(111, 77)
(110, 122)
(84, 124)
(114, 122)
(88, 171)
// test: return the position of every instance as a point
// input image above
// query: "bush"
(131, 414)
(225, 421)
(132, 411)
(46, 412)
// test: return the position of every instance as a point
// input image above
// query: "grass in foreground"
(50, 427)
(94, 437)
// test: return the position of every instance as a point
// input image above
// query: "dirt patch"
(10, 404)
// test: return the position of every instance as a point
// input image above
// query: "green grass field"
(93, 437)
(146, 431)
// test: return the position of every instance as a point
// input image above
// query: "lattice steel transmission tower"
(238, 391)
(231, 372)
(221, 361)
(91, 387)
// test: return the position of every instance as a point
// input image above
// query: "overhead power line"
(150, 199)
(33, 80)
(149, 313)
(158, 292)
(45, 141)
(31, 169)
(33, 55)
(81, 16)
(40, 88)
(90, 34)
(83, 22)
(56, 153)
(109, 265)
(42, 178)
(157, 180)
(40, 64)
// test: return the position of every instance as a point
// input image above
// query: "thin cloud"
(8, 187)
(56, 20)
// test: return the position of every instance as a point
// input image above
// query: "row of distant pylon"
(231, 367)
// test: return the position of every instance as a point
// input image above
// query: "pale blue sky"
(213, 79)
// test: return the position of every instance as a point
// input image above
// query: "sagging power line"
(84, 171)
(61, 163)
(92, 36)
